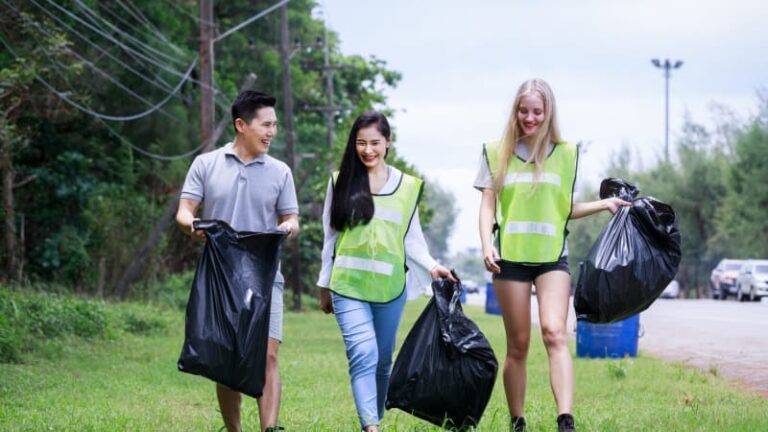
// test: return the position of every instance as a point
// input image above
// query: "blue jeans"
(369, 331)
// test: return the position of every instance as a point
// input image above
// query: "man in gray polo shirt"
(251, 191)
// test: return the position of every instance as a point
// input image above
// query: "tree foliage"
(718, 187)
(100, 185)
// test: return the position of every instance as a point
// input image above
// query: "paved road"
(731, 336)
(728, 335)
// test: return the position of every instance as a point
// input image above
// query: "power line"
(107, 76)
(110, 38)
(182, 11)
(157, 81)
(153, 31)
(136, 13)
(250, 20)
(140, 44)
(127, 142)
(148, 153)
(87, 110)
(105, 35)
(104, 123)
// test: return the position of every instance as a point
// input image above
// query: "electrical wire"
(113, 40)
(148, 153)
(157, 82)
(249, 20)
(109, 77)
(183, 12)
(154, 32)
(138, 43)
(87, 110)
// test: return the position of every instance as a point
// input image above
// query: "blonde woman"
(527, 180)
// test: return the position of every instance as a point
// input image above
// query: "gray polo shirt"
(248, 196)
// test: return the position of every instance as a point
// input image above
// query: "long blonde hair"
(538, 144)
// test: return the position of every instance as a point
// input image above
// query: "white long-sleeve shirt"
(417, 257)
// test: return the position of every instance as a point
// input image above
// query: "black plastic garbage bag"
(635, 257)
(227, 322)
(446, 368)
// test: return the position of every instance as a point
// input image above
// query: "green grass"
(130, 383)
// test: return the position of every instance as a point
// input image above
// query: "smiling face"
(530, 114)
(257, 135)
(371, 146)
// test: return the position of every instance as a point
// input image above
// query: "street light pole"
(667, 66)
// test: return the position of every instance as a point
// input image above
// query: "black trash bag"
(635, 257)
(446, 368)
(227, 322)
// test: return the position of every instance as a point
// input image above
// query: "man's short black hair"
(248, 102)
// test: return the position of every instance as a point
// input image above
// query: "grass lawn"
(131, 384)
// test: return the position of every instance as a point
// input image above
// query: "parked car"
(752, 282)
(722, 281)
(671, 291)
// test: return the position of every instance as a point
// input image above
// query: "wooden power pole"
(329, 110)
(290, 153)
(206, 74)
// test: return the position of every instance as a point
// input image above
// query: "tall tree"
(25, 65)
(741, 224)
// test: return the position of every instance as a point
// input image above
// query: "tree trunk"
(101, 277)
(6, 166)
(22, 249)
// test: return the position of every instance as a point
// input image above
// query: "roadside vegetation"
(112, 367)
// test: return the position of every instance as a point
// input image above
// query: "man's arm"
(185, 216)
(289, 223)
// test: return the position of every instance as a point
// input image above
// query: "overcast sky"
(463, 61)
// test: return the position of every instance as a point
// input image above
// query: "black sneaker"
(274, 428)
(565, 423)
(517, 424)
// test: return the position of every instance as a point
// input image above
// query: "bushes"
(29, 320)
(140, 320)
(10, 341)
(173, 291)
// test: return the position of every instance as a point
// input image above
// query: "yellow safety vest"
(533, 223)
(369, 260)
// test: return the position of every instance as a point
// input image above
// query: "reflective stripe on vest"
(362, 264)
(369, 260)
(533, 213)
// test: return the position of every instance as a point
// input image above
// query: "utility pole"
(206, 74)
(329, 113)
(285, 54)
(208, 134)
(329, 110)
(666, 66)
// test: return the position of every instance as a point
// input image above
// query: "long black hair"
(352, 200)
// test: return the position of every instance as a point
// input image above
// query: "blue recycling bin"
(491, 304)
(615, 340)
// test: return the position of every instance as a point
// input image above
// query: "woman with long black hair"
(374, 257)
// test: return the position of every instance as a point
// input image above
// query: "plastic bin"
(615, 340)
(491, 304)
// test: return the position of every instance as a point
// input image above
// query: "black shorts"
(528, 273)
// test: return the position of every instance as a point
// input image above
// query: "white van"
(752, 282)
